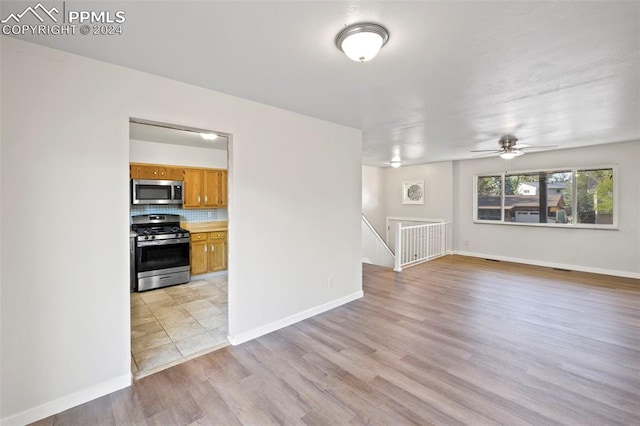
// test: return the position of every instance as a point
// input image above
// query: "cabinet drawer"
(219, 235)
(200, 236)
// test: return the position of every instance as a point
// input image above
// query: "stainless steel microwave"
(146, 191)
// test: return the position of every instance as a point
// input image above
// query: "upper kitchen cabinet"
(215, 188)
(205, 188)
(193, 188)
(155, 171)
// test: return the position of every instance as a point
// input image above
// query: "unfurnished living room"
(320, 212)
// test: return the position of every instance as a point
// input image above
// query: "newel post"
(398, 244)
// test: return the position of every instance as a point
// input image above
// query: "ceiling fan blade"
(495, 151)
(487, 154)
(521, 145)
(530, 147)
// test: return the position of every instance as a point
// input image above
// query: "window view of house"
(538, 198)
(547, 197)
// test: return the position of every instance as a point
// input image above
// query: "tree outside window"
(595, 196)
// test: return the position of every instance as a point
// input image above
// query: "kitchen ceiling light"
(209, 136)
(361, 42)
(396, 163)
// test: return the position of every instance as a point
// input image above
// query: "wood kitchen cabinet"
(208, 252)
(193, 188)
(215, 188)
(205, 188)
(199, 251)
(155, 171)
(218, 254)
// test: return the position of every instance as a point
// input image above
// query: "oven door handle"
(162, 242)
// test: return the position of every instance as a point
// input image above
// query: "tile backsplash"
(190, 215)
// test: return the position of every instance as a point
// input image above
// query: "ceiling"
(453, 77)
(149, 131)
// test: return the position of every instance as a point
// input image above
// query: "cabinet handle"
(205, 249)
(206, 199)
(198, 199)
(213, 248)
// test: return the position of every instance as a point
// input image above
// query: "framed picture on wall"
(413, 192)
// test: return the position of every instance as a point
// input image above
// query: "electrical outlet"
(330, 282)
(210, 214)
(467, 243)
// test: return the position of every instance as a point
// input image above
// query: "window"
(564, 198)
(489, 197)
(595, 196)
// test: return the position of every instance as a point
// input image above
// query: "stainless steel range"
(162, 251)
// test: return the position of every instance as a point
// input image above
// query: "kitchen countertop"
(219, 225)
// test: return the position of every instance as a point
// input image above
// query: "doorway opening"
(174, 323)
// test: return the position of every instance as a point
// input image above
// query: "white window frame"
(574, 189)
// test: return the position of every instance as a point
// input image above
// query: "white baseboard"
(56, 406)
(613, 272)
(277, 325)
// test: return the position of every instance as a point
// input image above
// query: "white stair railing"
(419, 243)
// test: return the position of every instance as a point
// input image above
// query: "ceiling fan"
(510, 148)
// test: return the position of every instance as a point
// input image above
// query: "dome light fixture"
(362, 42)
(395, 163)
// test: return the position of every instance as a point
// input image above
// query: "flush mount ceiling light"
(209, 136)
(361, 42)
(396, 163)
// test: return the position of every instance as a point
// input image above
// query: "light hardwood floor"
(453, 341)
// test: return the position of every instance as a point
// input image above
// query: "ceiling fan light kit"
(362, 42)
(508, 155)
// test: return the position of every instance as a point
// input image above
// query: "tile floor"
(173, 324)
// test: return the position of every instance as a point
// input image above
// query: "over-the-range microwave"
(147, 191)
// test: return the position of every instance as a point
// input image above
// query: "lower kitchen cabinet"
(199, 251)
(208, 252)
(218, 254)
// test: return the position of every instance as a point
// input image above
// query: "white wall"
(179, 155)
(382, 196)
(64, 168)
(372, 197)
(438, 191)
(374, 250)
(614, 252)
(382, 193)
